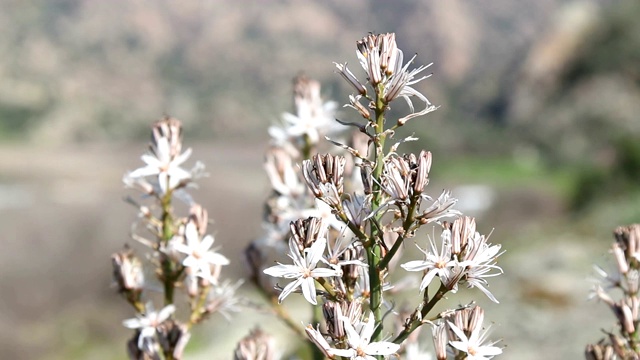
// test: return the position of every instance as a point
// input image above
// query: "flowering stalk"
(180, 252)
(624, 344)
(344, 250)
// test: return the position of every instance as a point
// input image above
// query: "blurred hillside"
(82, 70)
(539, 106)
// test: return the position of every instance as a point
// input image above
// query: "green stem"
(406, 226)
(374, 252)
(198, 304)
(168, 276)
(427, 306)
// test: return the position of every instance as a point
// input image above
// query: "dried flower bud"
(332, 312)
(149, 349)
(127, 272)
(440, 341)
(462, 229)
(282, 172)
(306, 231)
(199, 216)
(173, 337)
(324, 175)
(422, 172)
(357, 208)
(628, 237)
(396, 179)
(255, 346)
(316, 337)
(170, 129)
(379, 55)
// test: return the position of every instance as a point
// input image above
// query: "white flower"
(360, 347)
(472, 345)
(199, 257)
(435, 263)
(479, 263)
(304, 269)
(149, 322)
(163, 164)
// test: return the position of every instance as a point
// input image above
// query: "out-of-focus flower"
(222, 299)
(164, 159)
(312, 119)
(474, 345)
(127, 271)
(304, 269)
(256, 346)
(199, 257)
(149, 322)
(360, 345)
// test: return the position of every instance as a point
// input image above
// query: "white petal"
(367, 330)
(309, 290)
(166, 312)
(281, 270)
(458, 332)
(206, 243)
(182, 157)
(353, 338)
(348, 353)
(316, 251)
(176, 175)
(162, 181)
(288, 289)
(144, 171)
(382, 348)
(295, 252)
(489, 350)
(415, 265)
(324, 272)
(216, 259)
(182, 248)
(132, 323)
(426, 280)
(191, 233)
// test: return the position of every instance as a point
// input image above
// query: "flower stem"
(427, 306)
(406, 226)
(168, 276)
(374, 252)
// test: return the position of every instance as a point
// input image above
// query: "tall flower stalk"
(624, 341)
(178, 248)
(369, 200)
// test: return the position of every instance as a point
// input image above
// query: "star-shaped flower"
(148, 322)
(304, 269)
(435, 262)
(360, 345)
(199, 256)
(473, 345)
(165, 165)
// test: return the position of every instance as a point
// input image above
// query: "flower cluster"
(179, 250)
(624, 343)
(345, 219)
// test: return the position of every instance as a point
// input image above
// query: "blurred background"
(538, 130)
